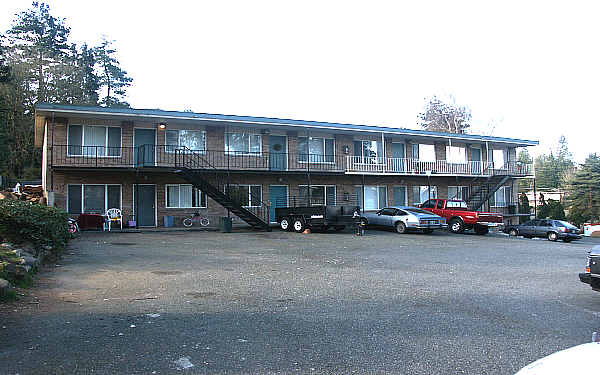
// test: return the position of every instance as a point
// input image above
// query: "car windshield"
(564, 224)
(456, 204)
(418, 211)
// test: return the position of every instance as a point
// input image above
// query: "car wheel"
(285, 224)
(481, 230)
(427, 231)
(456, 226)
(552, 236)
(400, 227)
(513, 232)
(567, 240)
(298, 225)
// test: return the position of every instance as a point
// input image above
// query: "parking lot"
(318, 303)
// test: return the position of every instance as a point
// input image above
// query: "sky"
(526, 69)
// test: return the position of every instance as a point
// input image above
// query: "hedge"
(42, 226)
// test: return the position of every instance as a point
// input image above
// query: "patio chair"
(114, 215)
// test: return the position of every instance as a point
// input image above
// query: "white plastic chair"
(113, 215)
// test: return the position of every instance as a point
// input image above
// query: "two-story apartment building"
(155, 163)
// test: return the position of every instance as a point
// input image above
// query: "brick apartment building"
(154, 163)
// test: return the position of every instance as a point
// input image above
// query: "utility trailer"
(318, 217)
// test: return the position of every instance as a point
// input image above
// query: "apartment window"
(191, 139)
(502, 197)
(184, 196)
(415, 151)
(319, 194)
(93, 141)
(368, 151)
(400, 196)
(90, 198)
(425, 152)
(456, 154)
(319, 150)
(421, 193)
(243, 143)
(458, 192)
(247, 195)
(374, 197)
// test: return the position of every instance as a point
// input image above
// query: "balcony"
(404, 166)
(165, 156)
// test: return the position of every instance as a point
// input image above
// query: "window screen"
(74, 140)
(173, 196)
(400, 196)
(114, 196)
(114, 142)
(256, 193)
(74, 199)
(93, 199)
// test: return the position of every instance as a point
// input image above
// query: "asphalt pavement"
(287, 303)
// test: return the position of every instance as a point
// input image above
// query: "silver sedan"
(404, 218)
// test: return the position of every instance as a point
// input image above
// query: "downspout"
(384, 158)
(308, 166)
(52, 155)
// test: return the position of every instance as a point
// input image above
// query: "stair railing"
(195, 161)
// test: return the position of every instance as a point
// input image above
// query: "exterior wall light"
(162, 126)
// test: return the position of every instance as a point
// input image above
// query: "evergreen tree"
(524, 208)
(552, 171)
(583, 192)
(113, 80)
(38, 64)
(525, 158)
(39, 41)
(551, 209)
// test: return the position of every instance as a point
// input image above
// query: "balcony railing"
(164, 156)
(380, 165)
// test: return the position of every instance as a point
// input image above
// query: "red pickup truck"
(460, 218)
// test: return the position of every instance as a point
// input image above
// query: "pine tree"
(113, 80)
(583, 192)
(39, 41)
(552, 171)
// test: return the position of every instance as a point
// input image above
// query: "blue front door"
(144, 141)
(278, 198)
(278, 153)
(398, 154)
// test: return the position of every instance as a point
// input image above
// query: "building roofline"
(192, 116)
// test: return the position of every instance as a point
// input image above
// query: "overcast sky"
(529, 67)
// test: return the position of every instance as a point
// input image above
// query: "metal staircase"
(481, 189)
(194, 168)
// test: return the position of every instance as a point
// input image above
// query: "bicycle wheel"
(204, 221)
(187, 222)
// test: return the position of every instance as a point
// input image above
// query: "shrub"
(552, 210)
(40, 225)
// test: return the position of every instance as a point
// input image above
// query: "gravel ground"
(324, 303)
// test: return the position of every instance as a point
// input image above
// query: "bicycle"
(196, 217)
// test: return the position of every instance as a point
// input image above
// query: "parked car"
(553, 230)
(461, 218)
(404, 218)
(591, 275)
(575, 360)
